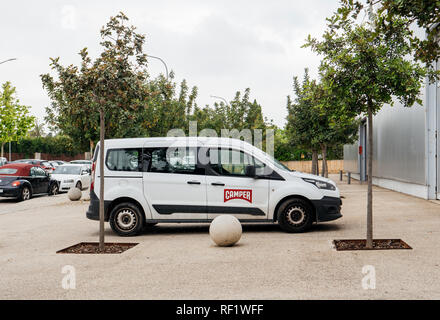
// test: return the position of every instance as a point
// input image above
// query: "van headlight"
(320, 184)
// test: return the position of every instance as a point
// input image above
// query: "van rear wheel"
(295, 215)
(126, 219)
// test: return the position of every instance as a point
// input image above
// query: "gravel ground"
(179, 261)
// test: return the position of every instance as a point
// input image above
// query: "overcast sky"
(219, 46)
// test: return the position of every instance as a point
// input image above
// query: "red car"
(24, 180)
(42, 163)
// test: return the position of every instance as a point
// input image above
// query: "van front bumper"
(328, 208)
(93, 210)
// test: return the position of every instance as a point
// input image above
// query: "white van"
(195, 179)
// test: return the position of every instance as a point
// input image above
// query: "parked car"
(88, 162)
(24, 180)
(56, 163)
(72, 175)
(194, 179)
(3, 161)
(42, 163)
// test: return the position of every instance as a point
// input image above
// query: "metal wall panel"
(437, 131)
(399, 144)
(351, 160)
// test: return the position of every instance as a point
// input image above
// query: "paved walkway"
(180, 261)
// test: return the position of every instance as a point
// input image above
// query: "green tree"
(424, 13)
(111, 88)
(284, 151)
(38, 130)
(54, 145)
(240, 113)
(305, 125)
(368, 69)
(337, 124)
(15, 120)
(166, 108)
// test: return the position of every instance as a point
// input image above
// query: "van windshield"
(278, 164)
(275, 162)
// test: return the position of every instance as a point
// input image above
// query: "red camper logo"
(243, 194)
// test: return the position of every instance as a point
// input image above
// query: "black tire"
(295, 215)
(54, 189)
(25, 194)
(126, 219)
(78, 185)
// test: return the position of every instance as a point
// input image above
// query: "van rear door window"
(123, 159)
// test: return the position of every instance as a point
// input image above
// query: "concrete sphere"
(74, 194)
(225, 230)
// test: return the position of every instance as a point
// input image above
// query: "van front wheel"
(126, 219)
(295, 215)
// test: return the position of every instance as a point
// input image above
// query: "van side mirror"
(250, 171)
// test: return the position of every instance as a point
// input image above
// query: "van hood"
(299, 174)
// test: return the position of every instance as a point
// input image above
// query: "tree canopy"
(401, 16)
(114, 82)
(15, 119)
(315, 120)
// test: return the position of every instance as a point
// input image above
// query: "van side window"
(260, 168)
(123, 159)
(173, 160)
(229, 162)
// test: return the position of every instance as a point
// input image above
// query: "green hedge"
(53, 145)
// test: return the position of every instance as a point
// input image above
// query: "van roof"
(178, 141)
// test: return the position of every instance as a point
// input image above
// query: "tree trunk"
(324, 172)
(317, 164)
(92, 145)
(101, 180)
(3, 148)
(370, 177)
(314, 161)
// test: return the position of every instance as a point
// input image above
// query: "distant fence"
(334, 166)
(46, 156)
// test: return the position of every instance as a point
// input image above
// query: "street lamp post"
(8, 60)
(160, 59)
(12, 59)
(221, 98)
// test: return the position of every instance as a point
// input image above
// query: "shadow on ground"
(203, 228)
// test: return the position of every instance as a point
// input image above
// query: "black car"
(23, 180)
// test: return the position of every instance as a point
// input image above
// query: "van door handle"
(193, 182)
(217, 184)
